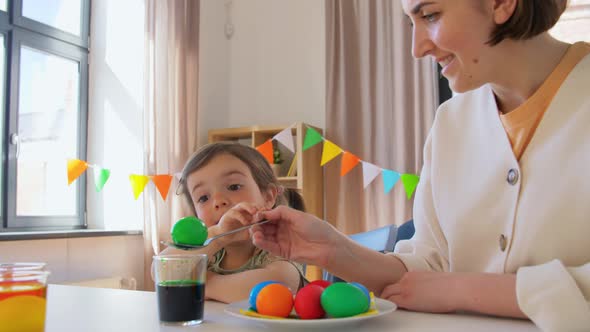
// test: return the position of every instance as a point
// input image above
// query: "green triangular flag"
(312, 137)
(101, 176)
(410, 181)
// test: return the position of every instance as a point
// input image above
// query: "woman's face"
(222, 183)
(454, 33)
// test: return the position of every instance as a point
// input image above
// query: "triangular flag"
(312, 137)
(75, 168)
(285, 137)
(370, 172)
(138, 183)
(348, 162)
(162, 182)
(390, 178)
(101, 176)
(266, 150)
(330, 152)
(410, 182)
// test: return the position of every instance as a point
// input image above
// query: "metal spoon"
(208, 241)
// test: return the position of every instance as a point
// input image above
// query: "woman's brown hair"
(530, 18)
(261, 171)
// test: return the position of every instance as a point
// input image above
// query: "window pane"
(3, 5)
(61, 14)
(47, 126)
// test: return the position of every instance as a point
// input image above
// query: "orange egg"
(275, 300)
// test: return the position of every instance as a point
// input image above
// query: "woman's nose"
(421, 43)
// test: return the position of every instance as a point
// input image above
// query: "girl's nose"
(220, 201)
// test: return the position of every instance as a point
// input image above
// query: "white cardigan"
(466, 210)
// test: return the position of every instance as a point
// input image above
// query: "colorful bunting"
(101, 176)
(390, 178)
(312, 137)
(370, 172)
(329, 152)
(285, 137)
(138, 183)
(266, 150)
(75, 168)
(410, 182)
(162, 182)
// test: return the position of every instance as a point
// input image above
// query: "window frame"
(50, 40)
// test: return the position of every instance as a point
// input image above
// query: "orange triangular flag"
(75, 168)
(329, 152)
(348, 162)
(162, 182)
(266, 150)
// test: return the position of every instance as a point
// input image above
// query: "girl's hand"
(296, 235)
(239, 215)
(436, 292)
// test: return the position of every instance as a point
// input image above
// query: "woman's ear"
(270, 196)
(503, 10)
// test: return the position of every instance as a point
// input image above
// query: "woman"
(501, 212)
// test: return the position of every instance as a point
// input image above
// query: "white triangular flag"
(370, 172)
(285, 137)
(178, 175)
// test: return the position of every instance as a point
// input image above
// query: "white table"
(74, 308)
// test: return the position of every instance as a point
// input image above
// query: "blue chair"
(405, 231)
(382, 239)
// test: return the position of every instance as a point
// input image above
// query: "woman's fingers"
(391, 290)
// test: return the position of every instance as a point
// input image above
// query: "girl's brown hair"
(259, 168)
(530, 18)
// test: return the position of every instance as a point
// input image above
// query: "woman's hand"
(425, 291)
(296, 235)
(239, 215)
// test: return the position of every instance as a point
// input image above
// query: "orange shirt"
(521, 123)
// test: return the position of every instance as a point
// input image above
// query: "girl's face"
(454, 33)
(222, 183)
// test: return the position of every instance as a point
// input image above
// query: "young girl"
(227, 184)
(501, 211)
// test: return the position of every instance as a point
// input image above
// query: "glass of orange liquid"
(23, 298)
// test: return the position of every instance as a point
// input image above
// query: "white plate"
(383, 307)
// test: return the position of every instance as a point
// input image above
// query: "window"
(44, 89)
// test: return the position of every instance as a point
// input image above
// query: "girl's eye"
(234, 187)
(202, 199)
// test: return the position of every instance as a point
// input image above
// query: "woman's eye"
(234, 187)
(202, 199)
(430, 17)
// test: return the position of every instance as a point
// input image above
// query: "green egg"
(344, 300)
(189, 230)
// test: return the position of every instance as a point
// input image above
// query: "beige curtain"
(380, 105)
(170, 122)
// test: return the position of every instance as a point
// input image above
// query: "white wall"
(271, 72)
(76, 259)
